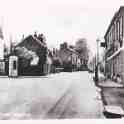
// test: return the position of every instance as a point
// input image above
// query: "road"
(59, 96)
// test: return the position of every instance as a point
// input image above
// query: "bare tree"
(82, 48)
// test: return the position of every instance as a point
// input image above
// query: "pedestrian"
(114, 77)
(119, 80)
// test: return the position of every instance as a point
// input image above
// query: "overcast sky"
(59, 20)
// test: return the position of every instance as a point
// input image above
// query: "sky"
(59, 20)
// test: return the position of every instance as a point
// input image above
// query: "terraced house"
(114, 39)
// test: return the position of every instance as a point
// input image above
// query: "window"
(121, 31)
(14, 65)
(108, 41)
(112, 32)
(110, 36)
(117, 30)
(121, 26)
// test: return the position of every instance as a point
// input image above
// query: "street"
(58, 96)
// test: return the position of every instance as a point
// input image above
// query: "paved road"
(63, 95)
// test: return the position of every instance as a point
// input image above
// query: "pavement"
(110, 83)
(112, 93)
(57, 96)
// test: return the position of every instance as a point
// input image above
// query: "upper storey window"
(118, 29)
(121, 31)
(121, 26)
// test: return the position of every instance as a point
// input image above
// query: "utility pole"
(97, 62)
(11, 46)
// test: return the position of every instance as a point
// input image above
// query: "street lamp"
(97, 62)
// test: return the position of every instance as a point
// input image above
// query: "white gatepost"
(13, 66)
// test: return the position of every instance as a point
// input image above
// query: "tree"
(82, 49)
(42, 38)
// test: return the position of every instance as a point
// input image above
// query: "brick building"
(114, 39)
(32, 54)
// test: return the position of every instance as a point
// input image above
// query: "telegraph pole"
(97, 62)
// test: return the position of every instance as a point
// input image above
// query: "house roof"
(32, 38)
(114, 17)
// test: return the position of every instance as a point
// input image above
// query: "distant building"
(68, 56)
(114, 39)
(2, 62)
(92, 64)
(1, 44)
(82, 49)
